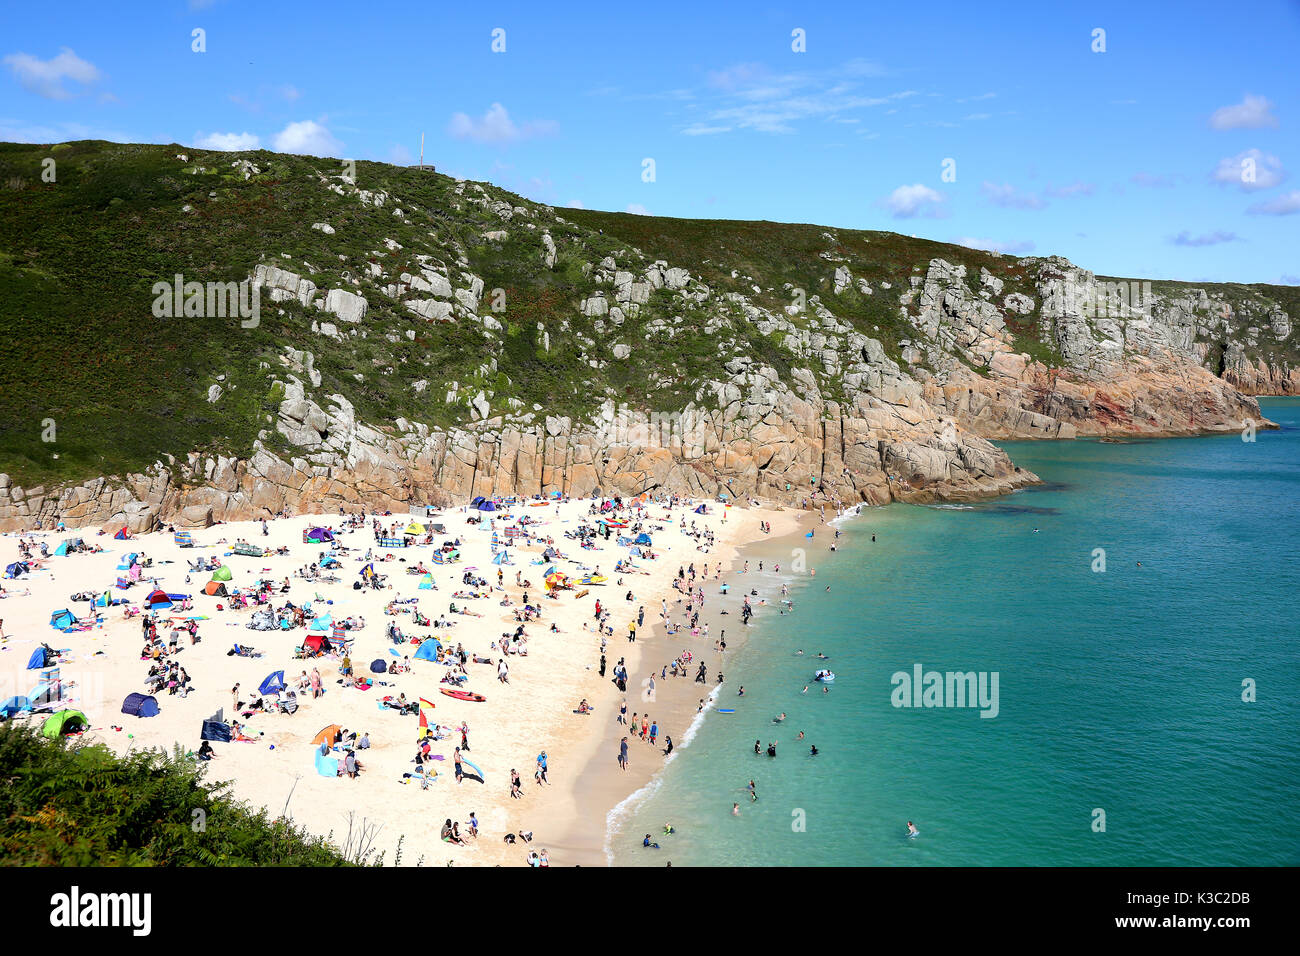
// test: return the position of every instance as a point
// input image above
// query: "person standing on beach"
(459, 770)
(602, 665)
(622, 713)
(622, 754)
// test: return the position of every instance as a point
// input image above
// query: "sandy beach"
(533, 712)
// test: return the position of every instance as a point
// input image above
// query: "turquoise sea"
(1118, 690)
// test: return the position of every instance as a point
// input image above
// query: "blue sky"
(1127, 161)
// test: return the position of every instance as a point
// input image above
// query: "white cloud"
(496, 127)
(576, 204)
(1253, 112)
(230, 142)
(306, 137)
(1014, 247)
(1008, 197)
(1287, 279)
(907, 202)
(1250, 169)
(45, 77)
(699, 129)
(1206, 239)
(636, 209)
(1286, 204)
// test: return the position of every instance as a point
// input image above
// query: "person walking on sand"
(622, 754)
(316, 689)
(460, 772)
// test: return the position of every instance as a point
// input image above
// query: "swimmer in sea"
(911, 829)
(753, 791)
(800, 737)
(805, 689)
(812, 751)
(825, 689)
(758, 747)
(821, 656)
(779, 718)
(735, 809)
(799, 653)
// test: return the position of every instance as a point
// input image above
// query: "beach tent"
(183, 539)
(322, 623)
(701, 510)
(438, 558)
(317, 535)
(643, 538)
(41, 657)
(378, 667)
(414, 528)
(158, 598)
(486, 506)
(428, 651)
(502, 557)
(62, 620)
(327, 735)
(17, 569)
(221, 574)
(127, 561)
(392, 542)
(122, 534)
(426, 583)
(140, 705)
(216, 589)
(63, 723)
(215, 730)
(61, 550)
(317, 644)
(439, 529)
(273, 684)
(15, 705)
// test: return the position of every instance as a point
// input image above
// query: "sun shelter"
(63, 723)
(644, 539)
(414, 528)
(216, 589)
(222, 573)
(428, 651)
(378, 667)
(140, 705)
(392, 542)
(323, 623)
(158, 598)
(273, 684)
(127, 562)
(327, 735)
(502, 557)
(183, 539)
(426, 583)
(62, 620)
(701, 510)
(122, 534)
(317, 536)
(317, 644)
(16, 569)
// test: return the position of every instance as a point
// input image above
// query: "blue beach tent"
(428, 651)
(273, 684)
(140, 705)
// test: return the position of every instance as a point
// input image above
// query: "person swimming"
(753, 791)
(735, 809)
(780, 717)
(813, 751)
(646, 843)
(911, 829)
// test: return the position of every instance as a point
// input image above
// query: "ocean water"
(1119, 691)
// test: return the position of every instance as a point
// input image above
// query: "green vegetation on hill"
(79, 258)
(68, 805)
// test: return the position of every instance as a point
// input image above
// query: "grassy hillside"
(79, 257)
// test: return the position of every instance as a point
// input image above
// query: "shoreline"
(603, 789)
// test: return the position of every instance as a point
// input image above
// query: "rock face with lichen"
(875, 378)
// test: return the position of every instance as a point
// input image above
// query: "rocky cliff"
(422, 340)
